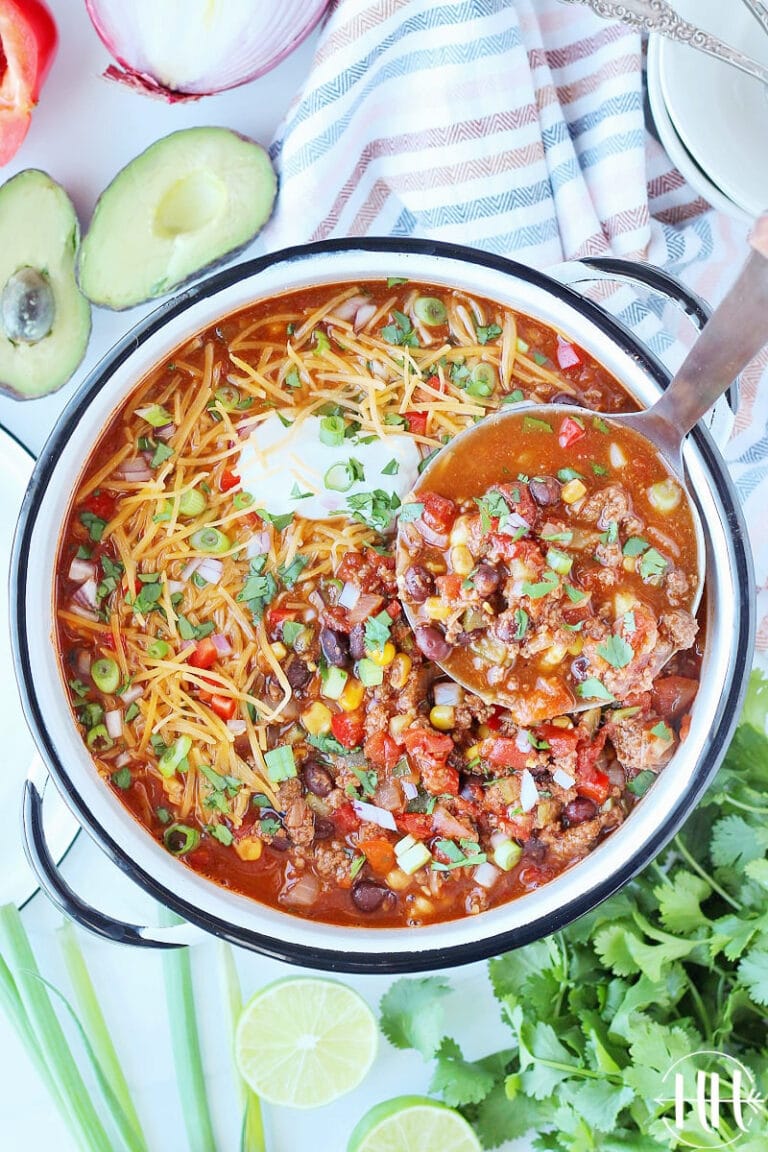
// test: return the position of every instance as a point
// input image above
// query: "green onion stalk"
(253, 1138)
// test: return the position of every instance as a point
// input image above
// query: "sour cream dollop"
(288, 469)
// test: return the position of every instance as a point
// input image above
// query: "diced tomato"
(449, 586)
(417, 423)
(380, 855)
(99, 503)
(415, 824)
(570, 431)
(439, 512)
(346, 819)
(276, 616)
(394, 610)
(533, 875)
(229, 479)
(568, 355)
(503, 752)
(494, 720)
(204, 654)
(224, 706)
(28, 40)
(440, 779)
(428, 746)
(588, 753)
(436, 383)
(348, 728)
(595, 786)
(381, 750)
(673, 696)
(518, 827)
(562, 741)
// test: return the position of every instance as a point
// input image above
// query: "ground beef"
(472, 710)
(333, 862)
(679, 628)
(611, 504)
(637, 749)
(567, 845)
(678, 588)
(609, 555)
(298, 819)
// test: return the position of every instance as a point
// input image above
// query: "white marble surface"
(85, 130)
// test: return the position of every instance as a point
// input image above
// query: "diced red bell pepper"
(494, 720)
(224, 706)
(436, 383)
(449, 586)
(204, 654)
(415, 824)
(381, 750)
(570, 431)
(417, 423)
(503, 752)
(439, 512)
(595, 786)
(568, 355)
(28, 40)
(346, 819)
(562, 741)
(229, 479)
(276, 616)
(348, 728)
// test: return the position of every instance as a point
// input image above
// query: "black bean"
(317, 779)
(432, 642)
(297, 674)
(486, 580)
(357, 642)
(368, 896)
(280, 843)
(335, 646)
(535, 849)
(419, 583)
(567, 398)
(325, 829)
(580, 668)
(545, 490)
(578, 810)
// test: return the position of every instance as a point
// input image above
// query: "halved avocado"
(45, 321)
(190, 200)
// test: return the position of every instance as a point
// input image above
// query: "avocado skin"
(29, 372)
(262, 196)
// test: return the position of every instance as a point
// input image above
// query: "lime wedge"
(413, 1124)
(303, 1042)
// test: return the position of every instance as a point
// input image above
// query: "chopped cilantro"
(376, 509)
(280, 523)
(396, 281)
(531, 424)
(292, 379)
(546, 585)
(94, 524)
(593, 689)
(486, 332)
(616, 652)
(260, 587)
(653, 565)
(566, 474)
(400, 331)
(634, 546)
(391, 469)
(162, 453)
(600, 425)
(662, 732)
(521, 620)
(377, 631)
(290, 573)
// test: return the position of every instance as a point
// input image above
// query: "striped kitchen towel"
(516, 126)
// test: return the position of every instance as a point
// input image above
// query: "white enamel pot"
(729, 606)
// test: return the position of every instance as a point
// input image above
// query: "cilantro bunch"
(674, 965)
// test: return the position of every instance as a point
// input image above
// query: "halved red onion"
(567, 356)
(486, 874)
(82, 570)
(185, 49)
(221, 644)
(123, 759)
(113, 721)
(562, 778)
(190, 568)
(448, 692)
(410, 791)
(257, 545)
(350, 594)
(86, 596)
(237, 727)
(375, 815)
(132, 694)
(348, 308)
(211, 570)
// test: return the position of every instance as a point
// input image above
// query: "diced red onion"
(486, 874)
(375, 815)
(445, 822)
(132, 694)
(347, 309)
(136, 470)
(522, 742)
(237, 727)
(184, 49)
(123, 759)
(365, 313)
(529, 796)
(166, 432)
(512, 522)
(257, 545)
(448, 692)
(83, 662)
(113, 721)
(211, 570)
(498, 838)
(410, 791)
(438, 539)
(562, 778)
(303, 892)
(85, 613)
(379, 369)
(82, 570)
(86, 596)
(567, 356)
(175, 586)
(350, 594)
(190, 568)
(221, 644)
(366, 606)
(388, 795)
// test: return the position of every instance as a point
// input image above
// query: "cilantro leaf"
(375, 509)
(753, 971)
(616, 652)
(412, 1014)
(377, 631)
(459, 1081)
(486, 332)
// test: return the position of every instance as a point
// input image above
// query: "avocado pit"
(27, 307)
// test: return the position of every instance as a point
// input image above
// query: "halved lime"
(413, 1124)
(304, 1041)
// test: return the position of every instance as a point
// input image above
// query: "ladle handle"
(735, 334)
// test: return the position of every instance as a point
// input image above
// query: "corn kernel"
(442, 717)
(397, 880)
(554, 655)
(279, 650)
(352, 696)
(561, 722)
(436, 565)
(317, 719)
(629, 563)
(575, 646)
(249, 848)
(665, 496)
(483, 731)
(436, 608)
(422, 907)
(382, 657)
(460, 531)
(400, 670)
(462, 560)
(572, 491)
(399, 724)
(623, 602)
(473, 752)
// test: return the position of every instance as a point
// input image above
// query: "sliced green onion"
(369, 673)
(482, 380)
(99, 732)
(507, 854)
(559, 562)
(332, 683)
(155, 415)
(210, 540)
(158, 649)
(280, 763)
(105, 674)
(174, 756)
(430, 311)
(227, 396)
(332, 429)
(339, 477)
(180, 839)
(523, 346)
(192, 503)
(242, 500)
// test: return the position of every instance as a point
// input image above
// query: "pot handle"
(66, 900)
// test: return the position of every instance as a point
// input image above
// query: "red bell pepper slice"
(570, 432)
(348, 728)
(28, 40)
(417, 423)
(224, 706)
(229, 479)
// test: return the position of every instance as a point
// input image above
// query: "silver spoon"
(735, 334)
(657, 16)
(759, 10)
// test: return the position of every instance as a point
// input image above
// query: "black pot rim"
(324, 958)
